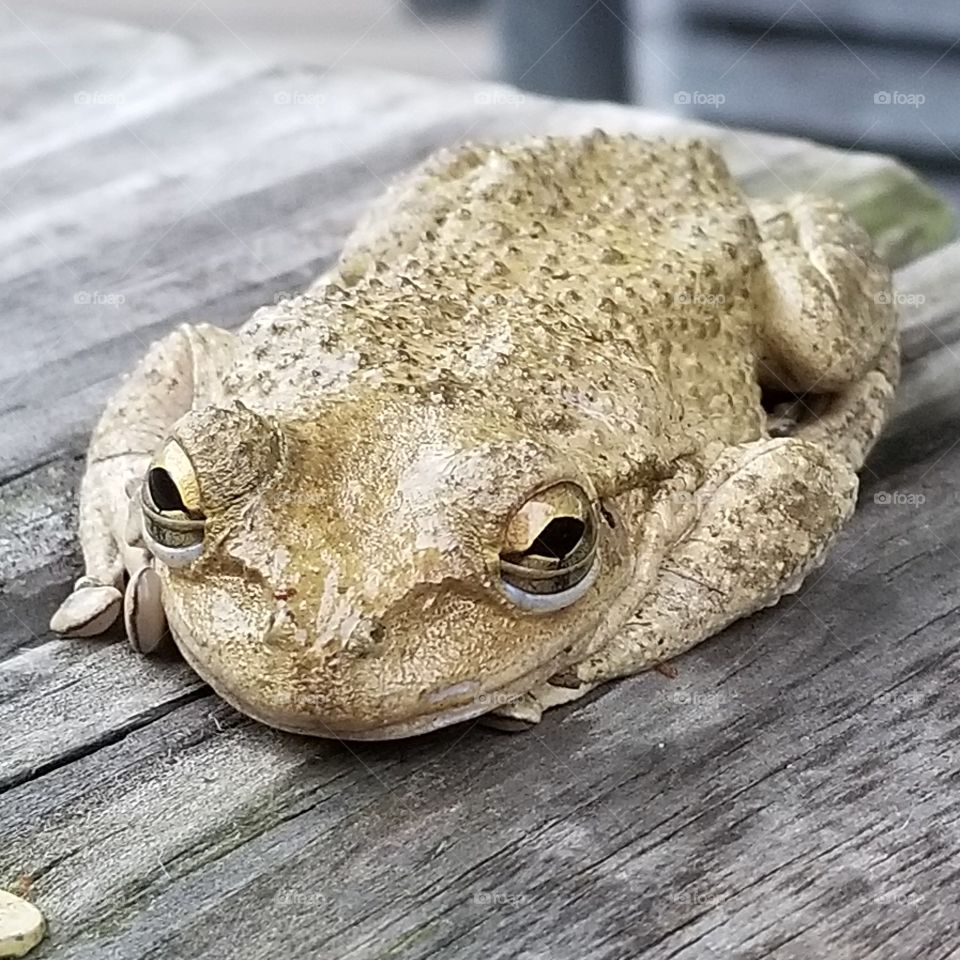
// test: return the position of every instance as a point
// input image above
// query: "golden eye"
(173, 519)
(549, 552)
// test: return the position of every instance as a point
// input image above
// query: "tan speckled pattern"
(598, 310)
(573, 283)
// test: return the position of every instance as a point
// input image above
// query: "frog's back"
(607, 273)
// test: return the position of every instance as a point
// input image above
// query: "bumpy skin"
(597, 310)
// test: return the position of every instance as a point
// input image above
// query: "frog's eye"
(173, 520)
(549, 554)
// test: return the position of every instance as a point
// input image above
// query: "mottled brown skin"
(601, 311)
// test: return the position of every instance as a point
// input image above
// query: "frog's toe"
(783, 418)
(794, 413)
(88, 611)
(526, 711)
(143, 614)
(514, 717)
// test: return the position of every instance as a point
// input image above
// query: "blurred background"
(872, 74)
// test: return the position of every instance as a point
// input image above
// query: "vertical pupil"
(558, 538)
(163, 491)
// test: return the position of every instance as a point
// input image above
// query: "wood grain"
(792, 793)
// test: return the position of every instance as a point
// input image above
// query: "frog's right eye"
(173, 519)
(548, 559)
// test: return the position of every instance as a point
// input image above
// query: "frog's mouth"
(377, 697)
(458, 701)
(468, 700)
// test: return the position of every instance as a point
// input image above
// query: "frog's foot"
(771, 509)
(829, 326)
(176, 370)
(93, 606)
(526, 711)
(116, 555)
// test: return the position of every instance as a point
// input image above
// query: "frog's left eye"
(549, 556)
(173, 520)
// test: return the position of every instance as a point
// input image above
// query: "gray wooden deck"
(793, 792)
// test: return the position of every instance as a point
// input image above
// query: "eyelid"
(529, 573)
(173, 557)
(551, 602)
(185, 525)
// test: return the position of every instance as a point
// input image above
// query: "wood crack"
(106, 739)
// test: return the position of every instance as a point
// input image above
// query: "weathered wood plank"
(789, 794)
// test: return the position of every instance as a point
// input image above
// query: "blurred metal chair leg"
(565, 48)
(445, 9)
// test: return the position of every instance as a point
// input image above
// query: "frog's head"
(386, 568)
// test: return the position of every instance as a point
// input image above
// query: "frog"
(562, 409)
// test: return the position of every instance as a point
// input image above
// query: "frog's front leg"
(827, 325)
(178, 371)
(767, 513)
